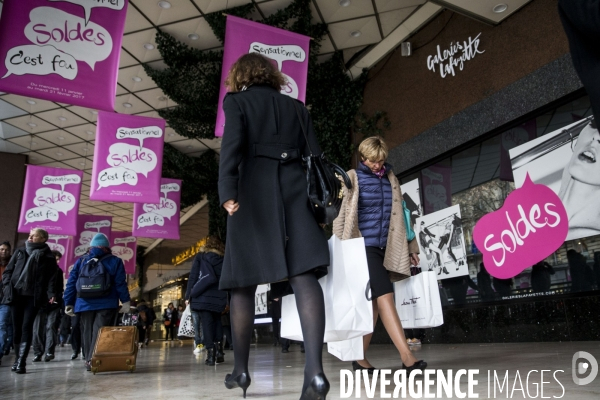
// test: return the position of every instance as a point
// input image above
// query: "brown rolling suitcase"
(116, 349)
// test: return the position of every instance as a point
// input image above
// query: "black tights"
(311, 308)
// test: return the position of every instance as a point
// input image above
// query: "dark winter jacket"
(46, 275)
(374, 206)
(119, 291)
(148, 312)
(274, 234)
(201, 296)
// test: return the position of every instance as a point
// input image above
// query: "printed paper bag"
(347, 350)
(186, 327)
(348, 309)
(418, 301)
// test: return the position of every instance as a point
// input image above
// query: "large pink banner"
(159, 220)
(529, 227)
(437, 187)
(50, 200)
(87, 227)
(288, 49)
(62, 244)
(128, 157)
(62, 50)
(124, 246)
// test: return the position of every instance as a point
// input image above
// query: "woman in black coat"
(203, 296)
(272, 234)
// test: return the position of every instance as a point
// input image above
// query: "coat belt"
(283, 154)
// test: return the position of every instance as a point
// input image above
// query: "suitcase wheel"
(131, 368)
(128, 361)
(98, 362)
(94, 370)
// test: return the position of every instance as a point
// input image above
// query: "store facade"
(509, 84)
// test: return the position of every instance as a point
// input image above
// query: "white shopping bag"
(348, 309)
(418, 301)
(186, 326)
(347, 350)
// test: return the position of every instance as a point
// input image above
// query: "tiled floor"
(171, 371)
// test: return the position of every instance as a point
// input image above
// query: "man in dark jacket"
(29, 284)
(45, 327)
(146, 317)
(5, 318)
(97, 312)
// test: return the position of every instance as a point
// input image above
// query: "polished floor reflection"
(171, 371)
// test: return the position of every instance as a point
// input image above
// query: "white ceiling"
(62, 135)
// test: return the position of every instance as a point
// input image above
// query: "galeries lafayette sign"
(453, 58)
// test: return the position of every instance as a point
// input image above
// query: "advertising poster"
(62, 50)
(124, 246)
(566, 161)
(288, 49)
(62, 244)
(441, 243)
(437, 187)
(87, 227)
(128, 157)
(50, 200)
(412, 197)
(159, 220)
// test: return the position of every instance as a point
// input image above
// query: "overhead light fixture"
(33, 143)
(31, 124)
(149, 46)
(344, 3)
(193, 36)
(188, 147)
(59, 154)
(31, 102)
(89, 132)
(82, 163)
(164, 4)
(136, 79)
(127, 105)
(33, 158)
(162, 98)
(94, 112)
(61, 138)
(355, 33)
(62, 119)
(500, 8)
(171, 134)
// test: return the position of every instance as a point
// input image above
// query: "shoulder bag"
(324, 182)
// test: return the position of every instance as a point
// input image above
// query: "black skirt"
(378, 275)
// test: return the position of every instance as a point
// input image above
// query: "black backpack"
(94, 280)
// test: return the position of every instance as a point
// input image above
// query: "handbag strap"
(297, 107)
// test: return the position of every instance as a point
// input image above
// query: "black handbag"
(324, 181)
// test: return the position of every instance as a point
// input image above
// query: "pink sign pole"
(288, 49)
(87, 227)
(128, 157)
(50, 200)
(62, 50)
(159, 220)
(124, 246)
(529, 227)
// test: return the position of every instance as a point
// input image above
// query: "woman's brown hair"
(253, 69)
(213, 244)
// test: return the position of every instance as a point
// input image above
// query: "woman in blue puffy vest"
(373, 209)
(101, 311)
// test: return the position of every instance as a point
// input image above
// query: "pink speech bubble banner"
(159, 220)
(87, 227)
(62, 50)
(529, 227)
(128, 158)
(124, 246)
(50, 200)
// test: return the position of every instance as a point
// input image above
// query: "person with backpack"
(29, 284)
(95, 286)
(146, 317)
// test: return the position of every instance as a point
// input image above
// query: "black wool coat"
(211, 299)
(581, 21)
(273, 235)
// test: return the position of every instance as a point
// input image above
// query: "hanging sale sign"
(50, 200)
(128, 157)
(288, 49)
(62, 50)
(62, 244)
(159, 220)
(529, 227)
(87, 227)
(124, 246)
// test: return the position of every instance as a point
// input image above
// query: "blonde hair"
(373, 149)
(253, 69)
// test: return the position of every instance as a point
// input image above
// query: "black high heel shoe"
(242, 381)
(356, 366)
(318, 388)
(417, 365)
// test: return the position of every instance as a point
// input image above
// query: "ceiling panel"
(135, 78)
(37, 158)
(332, 11)
(484, 9)
(79, 163)
(129, 104)
(31, 142)
(195, 33)
(209, 6)
(30, 124)
(29, 104)
(85, 132)
(135, 20)
(60, 137)
(391, 19)
(156, 98)
(389, 5)
(83, 149)
(189, 146)
(142, 45)
(58, 153)
(8, 131)
(61, 117)
(126, 60)
(177, 10)
(342, 32)
(9, 147)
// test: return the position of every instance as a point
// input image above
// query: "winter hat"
(100, 240)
